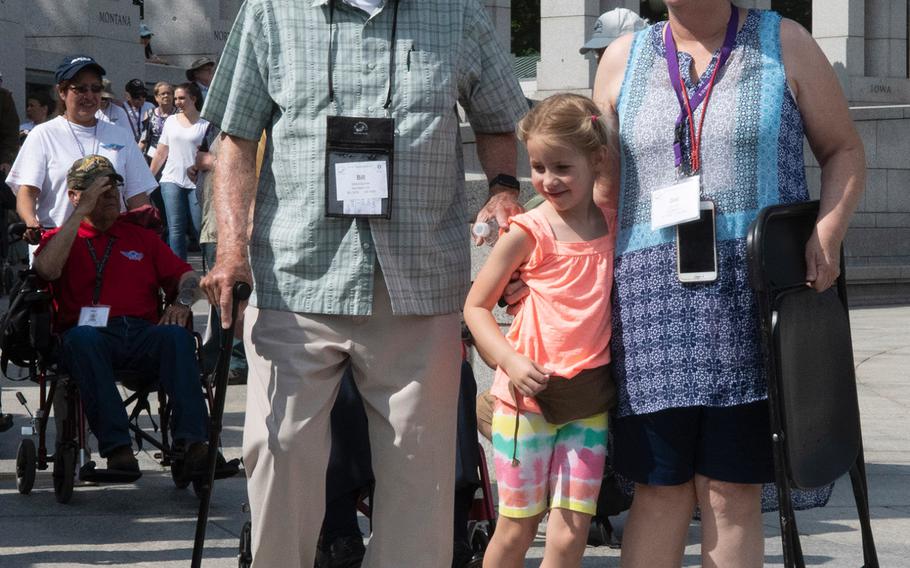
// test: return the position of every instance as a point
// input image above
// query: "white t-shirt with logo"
(182, 144)
(50, 150)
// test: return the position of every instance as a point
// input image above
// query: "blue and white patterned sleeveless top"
(677, 345)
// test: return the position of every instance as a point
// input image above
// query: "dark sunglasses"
(82, 89)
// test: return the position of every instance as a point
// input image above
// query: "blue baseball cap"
(73, 64)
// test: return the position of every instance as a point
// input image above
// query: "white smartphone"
(696, 247)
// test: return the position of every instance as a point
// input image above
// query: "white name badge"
(94, 316)
(675, 204)
(362, 206)
(361, 181)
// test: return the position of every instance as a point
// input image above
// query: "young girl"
(564, 251)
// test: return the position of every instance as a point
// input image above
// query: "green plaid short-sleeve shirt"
(273, 75)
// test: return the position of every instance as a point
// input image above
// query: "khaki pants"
(407, 369)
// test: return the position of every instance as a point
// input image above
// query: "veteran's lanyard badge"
(359, 151)
(679, 202)
(97, 315)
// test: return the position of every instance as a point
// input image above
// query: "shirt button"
(367, 246)
(372, 66)
(370, 109)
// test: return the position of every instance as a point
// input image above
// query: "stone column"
(885, 42)
(12, 46)
(564, 27)
(838, 27)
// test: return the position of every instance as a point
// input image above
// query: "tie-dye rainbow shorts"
(559, 465)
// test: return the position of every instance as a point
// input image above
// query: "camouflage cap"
(85, 171)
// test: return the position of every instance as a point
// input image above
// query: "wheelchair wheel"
(245, 558)
(479, 537)
(26, 464)
(64, 473)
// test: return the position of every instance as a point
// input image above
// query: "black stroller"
(811, 381)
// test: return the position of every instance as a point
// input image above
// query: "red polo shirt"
(139, 264)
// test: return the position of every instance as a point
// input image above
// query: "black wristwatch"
(506, 180)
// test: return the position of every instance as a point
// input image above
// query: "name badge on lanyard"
(97, 315)
(360, 151)
(675, 204)
(358, 166)
(680, 202)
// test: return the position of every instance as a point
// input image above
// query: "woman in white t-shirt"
(181, 137)
(38, 176)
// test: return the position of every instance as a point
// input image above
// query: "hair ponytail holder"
(594, 118)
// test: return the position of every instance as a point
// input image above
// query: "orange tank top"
(564, 322)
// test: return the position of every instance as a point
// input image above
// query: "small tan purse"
(590, 392)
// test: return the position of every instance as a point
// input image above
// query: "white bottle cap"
(481, 230)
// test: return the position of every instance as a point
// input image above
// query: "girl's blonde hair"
(567, 119)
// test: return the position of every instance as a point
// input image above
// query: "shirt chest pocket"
(427, 84)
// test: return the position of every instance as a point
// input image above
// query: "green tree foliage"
(525, 27)
(799, 10)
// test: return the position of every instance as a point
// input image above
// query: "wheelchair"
(58, 397)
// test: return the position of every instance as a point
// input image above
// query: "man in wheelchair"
(106, 275)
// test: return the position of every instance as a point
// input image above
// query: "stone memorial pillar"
(12, 46)
(107, 30)
(838, 26)
(565, 25)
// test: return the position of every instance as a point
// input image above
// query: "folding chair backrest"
(817, 384)
(811, 349)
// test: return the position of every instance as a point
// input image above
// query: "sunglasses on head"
(82, 89)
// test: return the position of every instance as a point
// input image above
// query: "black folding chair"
(808, 356)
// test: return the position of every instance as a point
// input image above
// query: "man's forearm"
(49, 264)
(233, 191)
(26, 199)
(498, 154)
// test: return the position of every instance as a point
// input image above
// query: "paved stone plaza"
(152, 524)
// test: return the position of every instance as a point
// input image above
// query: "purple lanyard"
(703, 89)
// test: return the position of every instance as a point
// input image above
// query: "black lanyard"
(99, 266)
(388, 100)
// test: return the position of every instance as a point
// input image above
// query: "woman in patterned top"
(693, 420)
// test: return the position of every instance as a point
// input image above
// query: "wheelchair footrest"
(90, 474)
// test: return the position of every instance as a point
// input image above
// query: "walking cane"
(239, 293)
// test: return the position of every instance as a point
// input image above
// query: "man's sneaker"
(122, 459)
(343, 552)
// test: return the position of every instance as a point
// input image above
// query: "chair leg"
(861, 495)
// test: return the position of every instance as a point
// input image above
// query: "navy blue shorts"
(730, 444)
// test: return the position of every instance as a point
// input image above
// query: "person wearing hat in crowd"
(145, 38)
(9, 129)
(105, 274)
(201, 72)
(136, 106)
(610, 26)
(109, 109)
(38, 176)
(39, 108)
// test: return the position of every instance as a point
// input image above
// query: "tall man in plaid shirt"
(382, 293)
